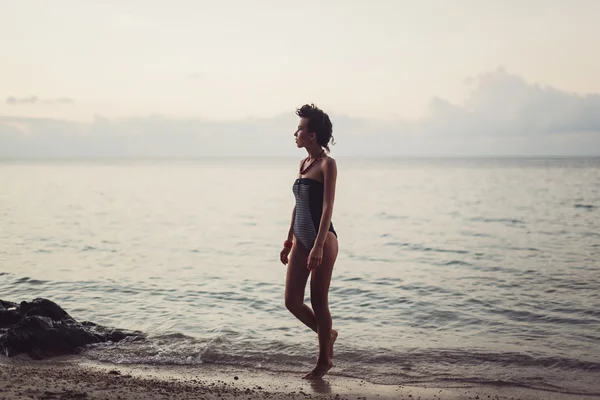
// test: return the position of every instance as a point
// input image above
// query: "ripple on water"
(505, 221)
(424, 248)
(589, 207)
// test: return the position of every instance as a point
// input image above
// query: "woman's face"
(303, 138)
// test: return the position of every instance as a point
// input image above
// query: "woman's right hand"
(283, 256)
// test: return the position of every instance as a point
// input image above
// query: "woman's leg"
(295, 284)
(319, 295)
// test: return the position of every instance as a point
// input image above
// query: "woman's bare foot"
(322, 368)
(319, 370)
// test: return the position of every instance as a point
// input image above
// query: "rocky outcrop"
(42, 329)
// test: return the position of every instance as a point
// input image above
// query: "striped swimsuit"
(309, 209)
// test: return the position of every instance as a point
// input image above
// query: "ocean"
(450, 271)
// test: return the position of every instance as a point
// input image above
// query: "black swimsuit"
(309, 209)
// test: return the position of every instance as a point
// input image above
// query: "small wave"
(92, 248)
(379, 366)
(30, 281)
(385, 215)
(476, 234)
(533, 317)
(177, 345)
(370, 259)
(386, 282)
(455, 262)
(352, 279)
(510, 221)
(419, 247)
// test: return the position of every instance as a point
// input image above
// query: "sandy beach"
(75, 378)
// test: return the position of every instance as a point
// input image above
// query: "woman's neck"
(314, 152)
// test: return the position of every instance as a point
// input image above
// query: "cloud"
(505, 105)
(502, 115)
(13, 101)
(152, 136)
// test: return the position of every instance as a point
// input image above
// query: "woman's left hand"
(315, 257)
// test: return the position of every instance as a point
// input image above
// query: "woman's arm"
(329, 181)
(291, 231)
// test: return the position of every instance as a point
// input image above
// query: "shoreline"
(74, 377)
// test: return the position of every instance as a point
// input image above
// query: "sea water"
(449, 270)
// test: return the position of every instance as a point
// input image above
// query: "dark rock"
(8, 314)
(43, 308)
(42, 329)
(8, 318)
(7, 304)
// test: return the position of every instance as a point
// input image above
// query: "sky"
(187, 77)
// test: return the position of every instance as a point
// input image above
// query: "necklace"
(303, 169)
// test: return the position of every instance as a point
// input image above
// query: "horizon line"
(285, 157)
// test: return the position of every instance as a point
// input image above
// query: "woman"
(311, 247)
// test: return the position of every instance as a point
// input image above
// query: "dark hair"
(319, 123)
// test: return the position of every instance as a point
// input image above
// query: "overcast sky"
(431, 76)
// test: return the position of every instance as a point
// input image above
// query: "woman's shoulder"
(329, 161)
(328, 166)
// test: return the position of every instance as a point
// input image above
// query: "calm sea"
(449, 271)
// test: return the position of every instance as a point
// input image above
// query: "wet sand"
(76, 378)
